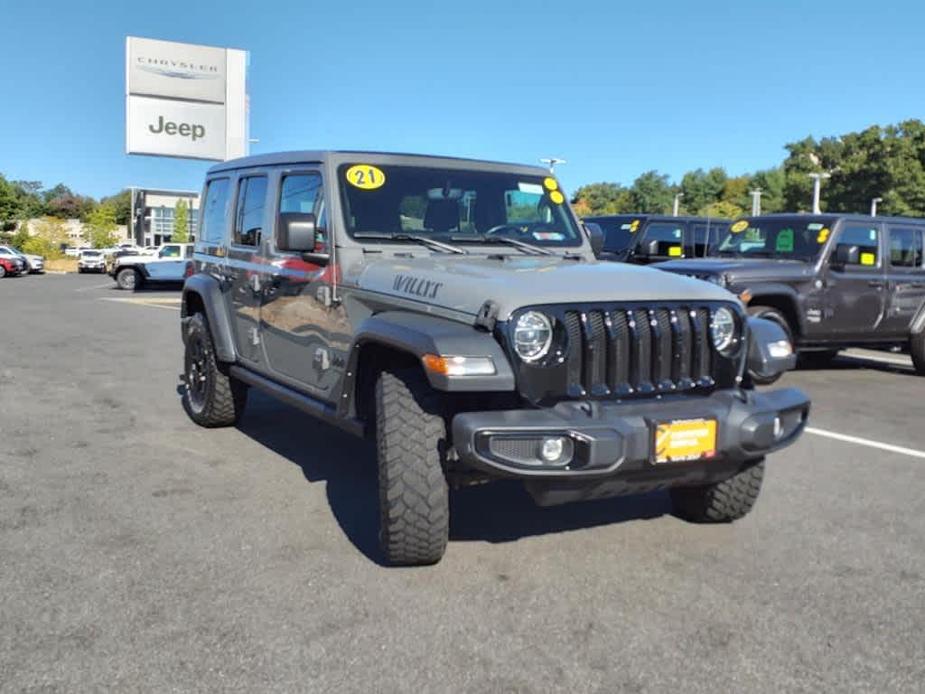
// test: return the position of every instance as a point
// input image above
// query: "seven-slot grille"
(638, 351)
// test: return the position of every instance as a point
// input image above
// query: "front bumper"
(615, 441)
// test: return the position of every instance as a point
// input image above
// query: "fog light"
(552, 449)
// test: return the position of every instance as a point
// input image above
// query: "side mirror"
(298, 232)
(595, 237)
(648, 249)
(846, 255)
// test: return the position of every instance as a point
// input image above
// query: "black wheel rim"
(197, 375)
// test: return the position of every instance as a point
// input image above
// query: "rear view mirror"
(595, 237)
(846, 255)
(298, 232)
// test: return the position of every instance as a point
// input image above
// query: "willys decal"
(416, 286)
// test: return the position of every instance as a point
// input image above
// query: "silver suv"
(454, 311)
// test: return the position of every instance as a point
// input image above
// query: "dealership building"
(153, 213)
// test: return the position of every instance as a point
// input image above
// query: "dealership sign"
(184, 100)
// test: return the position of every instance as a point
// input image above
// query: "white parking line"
(169, 303)
(911, 452)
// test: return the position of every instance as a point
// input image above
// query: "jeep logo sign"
(185, 100)
(176, 128)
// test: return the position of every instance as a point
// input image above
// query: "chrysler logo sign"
(179, 69)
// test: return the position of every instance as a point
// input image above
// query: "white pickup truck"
(169, 265)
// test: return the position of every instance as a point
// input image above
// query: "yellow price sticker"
(823, 235)
(674, 251)
(557, 197)
(868, 259)
(739, 227)
(550, 183)
(365, 177)
(634, 226)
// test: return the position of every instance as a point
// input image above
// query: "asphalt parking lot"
(139, 552)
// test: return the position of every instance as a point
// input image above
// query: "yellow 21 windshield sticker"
(739, 226)
(550, 183)
(823, 235)
(868, 258)
(674, 251)
(557, 197)
(365, 176)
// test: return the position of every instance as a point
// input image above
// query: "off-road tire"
(917, 351)
(721, 502)
(414, 511)
(771, 314)
(128, 279)
(219, 399)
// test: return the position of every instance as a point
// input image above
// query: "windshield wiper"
(506, 240)
(415, 238)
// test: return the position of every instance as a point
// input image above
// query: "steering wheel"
(501, 227)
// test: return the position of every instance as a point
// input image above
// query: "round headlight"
(532, 336)
(723, 329)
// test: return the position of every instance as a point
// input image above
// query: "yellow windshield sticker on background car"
(823, 235)
(551, 183)
(868, 259)
(557, 197)
(634, 226)
(739, 227)
(674, 251)
(365, 177)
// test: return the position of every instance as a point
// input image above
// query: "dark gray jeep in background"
(831, 280)
(454, 311)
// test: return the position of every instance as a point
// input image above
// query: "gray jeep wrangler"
(454, 311)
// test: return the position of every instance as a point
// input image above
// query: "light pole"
(756, 202)
(551, 162)
(817, 185)
(677, 204)
(873, 206)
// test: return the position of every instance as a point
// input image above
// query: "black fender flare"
(209, 291)
(776, 290)
(418, 334)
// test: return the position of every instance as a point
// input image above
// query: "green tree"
(723, 209)
(771, 182)
(10, 208)
(651, 193)
(100, 227)
(702, 188)
(21, 236)
(122, 202)
(602, 198)
(180, 222)
(50, 235)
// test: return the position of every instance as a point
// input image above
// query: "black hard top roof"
(364, 156)
(654, 218)
(830, 217)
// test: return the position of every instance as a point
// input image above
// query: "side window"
(215, 211)
(905, 247)
(867, 241)
(188, 252)
(304, 194)
(169, 252)
(249, 214)
(667, 236)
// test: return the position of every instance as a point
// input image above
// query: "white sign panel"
(176, 128)
(176, 70)
(184, 100)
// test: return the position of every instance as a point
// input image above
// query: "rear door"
(245, 266)
(660, 241)
(905, 277)
(172, 267)
(703, 238)
(305, 334)
(857, 293)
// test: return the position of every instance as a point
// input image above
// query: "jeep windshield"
(782, 239)
(456, 206)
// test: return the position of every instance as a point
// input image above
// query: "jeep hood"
(464, 283)
(740, 269)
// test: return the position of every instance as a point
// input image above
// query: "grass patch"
(61, 265)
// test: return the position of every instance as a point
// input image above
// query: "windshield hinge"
(487, 316)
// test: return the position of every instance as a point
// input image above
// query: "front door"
(856, 292)
(304, 331)
(905, 276)
(245, 266)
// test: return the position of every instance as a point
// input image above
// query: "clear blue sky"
(616, 88)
